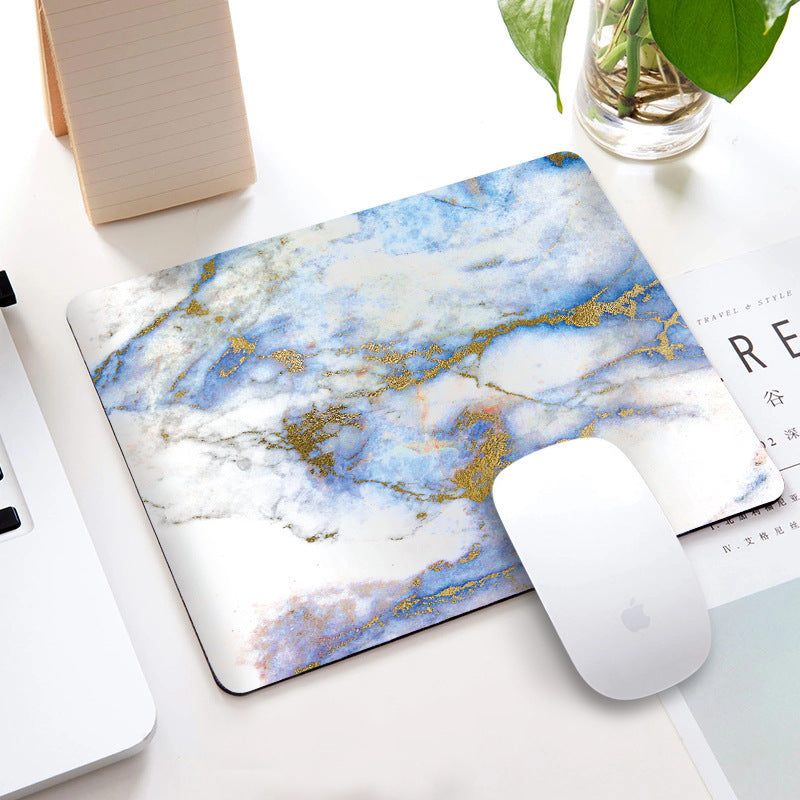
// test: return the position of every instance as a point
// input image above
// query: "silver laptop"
(72, 693)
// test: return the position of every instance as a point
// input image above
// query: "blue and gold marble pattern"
(333, 405)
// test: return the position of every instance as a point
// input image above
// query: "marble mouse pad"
(314, 421)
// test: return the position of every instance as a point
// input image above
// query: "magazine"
(738, 714)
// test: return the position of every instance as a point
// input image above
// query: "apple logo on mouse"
(633, 617)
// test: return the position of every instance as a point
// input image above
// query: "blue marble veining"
(314, 421)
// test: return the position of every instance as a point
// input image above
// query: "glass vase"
(630, 99)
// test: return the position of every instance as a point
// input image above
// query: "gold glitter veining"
(196, 309)
(240, 345)
(180, 377)
(373, 347)
(393, 357)
(666, 348)
(324, 463)
(329, 372)
(237, 345)
(347, 637)
(209, 270)
(587, 314)
(476, 479)
(314, 428)
(663, 347)
(318, 537)
(400, 488)
(473, 553)
(154, 324)
(414, 606)
(559, 158)
(292, 360)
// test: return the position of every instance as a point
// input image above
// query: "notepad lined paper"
(152, 100)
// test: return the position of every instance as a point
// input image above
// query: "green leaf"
(720, 45)
(537, 28)
(774, 9)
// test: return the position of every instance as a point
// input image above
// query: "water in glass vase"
(630, 99)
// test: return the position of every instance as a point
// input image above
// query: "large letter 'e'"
(785, 339)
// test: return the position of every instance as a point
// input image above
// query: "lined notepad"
(149, 91)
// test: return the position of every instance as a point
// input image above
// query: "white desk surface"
(351, 104)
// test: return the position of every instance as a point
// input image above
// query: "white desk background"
(351, 104)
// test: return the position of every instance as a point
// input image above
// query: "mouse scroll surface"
(607, 566)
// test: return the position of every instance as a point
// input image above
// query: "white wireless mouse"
(608, 567)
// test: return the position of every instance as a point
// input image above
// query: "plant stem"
(628, 72)
(627, 100)
(610, 60)
(636, 16)
(619, 27)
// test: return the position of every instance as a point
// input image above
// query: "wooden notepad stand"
(150, 95)
(53, 106)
